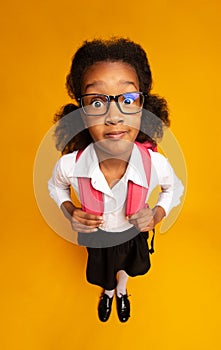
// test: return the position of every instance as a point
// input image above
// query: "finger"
(87, 219)
(88, 216)
(145, 229)
(141, 213)
(86, 222)
(148, 227)
(82, 228)
(141, 222)
(145, 220)
(134, 216)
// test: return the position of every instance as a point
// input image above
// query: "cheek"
(135, 122)
(90, 122)
(96, 132)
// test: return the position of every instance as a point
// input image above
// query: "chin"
(112, 148)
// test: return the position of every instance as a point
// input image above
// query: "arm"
(158, 215)
(59, 190)
(169, 197)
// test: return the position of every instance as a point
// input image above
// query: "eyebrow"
(100, 82)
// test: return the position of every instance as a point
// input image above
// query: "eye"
(130, 98)
(128, 101)
(97, 104)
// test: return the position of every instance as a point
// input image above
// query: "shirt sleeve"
(59, 185)
(171, 187)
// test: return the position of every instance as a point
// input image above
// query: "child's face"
(113, 128)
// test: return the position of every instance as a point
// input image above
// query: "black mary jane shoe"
(123, 308)
(104, 307)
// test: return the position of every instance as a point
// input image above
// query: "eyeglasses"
(99, 104)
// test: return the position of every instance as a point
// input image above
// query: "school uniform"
(117, 245)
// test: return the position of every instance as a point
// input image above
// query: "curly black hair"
(155, 110)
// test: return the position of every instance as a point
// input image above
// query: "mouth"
(115, 135)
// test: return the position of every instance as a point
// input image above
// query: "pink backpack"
(92, 199)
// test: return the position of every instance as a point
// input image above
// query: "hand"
(84, 222)
(80, 220)
(143, 220)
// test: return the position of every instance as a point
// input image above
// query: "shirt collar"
(135, 170)
(88, 166)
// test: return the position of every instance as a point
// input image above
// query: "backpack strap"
(136, 195)
(151, 250)
(91, 199)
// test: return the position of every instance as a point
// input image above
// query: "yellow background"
(46, 302)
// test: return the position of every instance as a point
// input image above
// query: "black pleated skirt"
(132, 256)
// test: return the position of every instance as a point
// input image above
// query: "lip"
(115, 135)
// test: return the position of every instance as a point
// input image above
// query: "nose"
(114, 115)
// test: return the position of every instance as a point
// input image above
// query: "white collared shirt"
(67, 171)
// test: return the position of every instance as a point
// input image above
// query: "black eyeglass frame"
(109, 99)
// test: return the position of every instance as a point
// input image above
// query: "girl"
(103, 140)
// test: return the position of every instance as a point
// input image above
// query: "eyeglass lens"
(98, 104)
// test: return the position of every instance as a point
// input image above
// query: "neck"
(113, 166)
(113, 170)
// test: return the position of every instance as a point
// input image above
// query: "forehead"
(105, 72)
